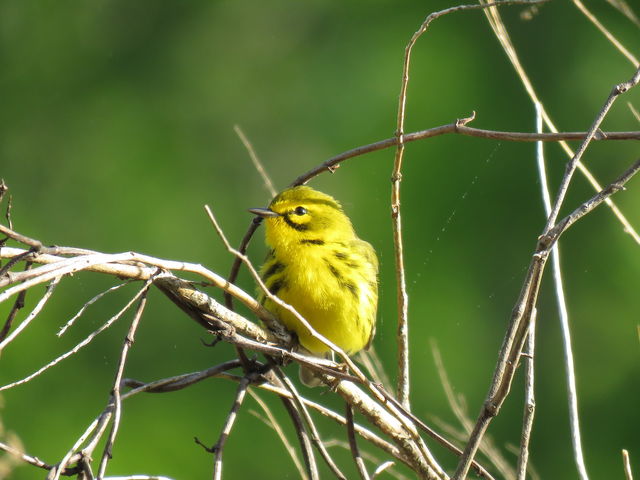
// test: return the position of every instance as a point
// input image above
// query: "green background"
(116, 127)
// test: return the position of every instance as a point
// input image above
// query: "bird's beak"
(264, 212)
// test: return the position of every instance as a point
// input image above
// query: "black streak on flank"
(312, 241)
(344, 284)
(352, 288)
(334, 271)
(344, 257)
(276, 287)
(301, 227)
(273, 269)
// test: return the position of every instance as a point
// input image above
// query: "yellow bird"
(318, 265)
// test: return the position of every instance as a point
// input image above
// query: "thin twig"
(371, 361)
(402, 334)
(315, 436)
(529, 403)
(616, 91)
(381, 468)
(493, 15)
(624, 8)
(66, 326)
(35, 461)
(563, 225)
(612, 39)
(635, 112)
(360, 430)
(626, 464)
(272, 422)
(355, 451)
(235, 268)
(178, 382)
(129, 265)
(116, 399)
(256, 160)
(8, 231)
(303, 438)
(58, 469)
(572, 395)
(33, 314)
(224, 435)
(78, 346)
(17, 306)
(517, 331)
(458, 408)
(396, 425)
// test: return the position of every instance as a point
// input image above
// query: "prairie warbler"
(318, 265)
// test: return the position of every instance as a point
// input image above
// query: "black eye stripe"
(301, 227)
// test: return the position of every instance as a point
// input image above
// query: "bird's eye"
(300, 211)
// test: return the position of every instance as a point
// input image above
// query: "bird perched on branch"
(319, 266)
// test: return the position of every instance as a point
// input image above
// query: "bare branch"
(272, 422)
(224, 435)
(33, 314)
(116, 399)
(517, 331)
(315, 436)
(303, 438)
(501, 33)
(66, 326)
(256, 161)
(529, 403)
(17, 306)
(572, 395)
(35, 461)
(381, 469)
(79, 346)
(355, 451)
(612, 39)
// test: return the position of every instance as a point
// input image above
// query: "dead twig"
(517, 331)
(313, 431)
(272, 422)
(116, 399)
(78, 346)
(218, 448)
(353, 444)
(529, 403)
(626, 463)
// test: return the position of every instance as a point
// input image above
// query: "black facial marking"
(301, 227)
(313, 241)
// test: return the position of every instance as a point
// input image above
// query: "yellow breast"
(319, 266)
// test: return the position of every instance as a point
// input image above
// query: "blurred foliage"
(116, 127)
